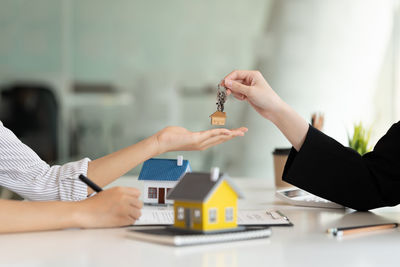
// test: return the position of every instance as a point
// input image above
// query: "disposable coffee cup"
(280, 156)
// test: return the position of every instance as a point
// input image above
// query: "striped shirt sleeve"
(22, 171)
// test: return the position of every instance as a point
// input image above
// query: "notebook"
(170, 236)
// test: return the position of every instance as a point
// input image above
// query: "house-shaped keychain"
(205, 202)
(160, 176)
(218, 118)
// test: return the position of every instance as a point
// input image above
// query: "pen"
(89, 183)
(282, 215)
(360, 229)
(276, 214)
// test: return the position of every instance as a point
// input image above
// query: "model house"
(205, 202)
(218, 118)
(160, 176)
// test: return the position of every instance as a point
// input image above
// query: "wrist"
(291, 124)
(81, 214)
(276, 110)
(157, 144)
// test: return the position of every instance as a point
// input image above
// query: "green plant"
(360, 139)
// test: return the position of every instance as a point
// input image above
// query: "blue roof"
(163, 170)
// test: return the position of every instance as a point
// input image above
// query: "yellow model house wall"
(222, 197)
(185, 205)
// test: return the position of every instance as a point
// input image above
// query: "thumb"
(237, 87)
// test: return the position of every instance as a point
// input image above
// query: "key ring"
(221, 98)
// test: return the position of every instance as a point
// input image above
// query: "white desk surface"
(304, 244)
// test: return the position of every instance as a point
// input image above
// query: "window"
(152, 192)
(180, 213)
(228, 214)
(197, 215)
(212, 215)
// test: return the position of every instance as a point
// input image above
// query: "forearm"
(108, 168)
(23, 216)
(290, 123)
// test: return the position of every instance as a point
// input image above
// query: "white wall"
(336, 57)
(193, 41)
(328, 56)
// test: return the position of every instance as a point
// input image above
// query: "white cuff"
(71, 188)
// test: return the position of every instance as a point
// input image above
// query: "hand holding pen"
(117, 206)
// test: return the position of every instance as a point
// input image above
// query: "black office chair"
(32, 114)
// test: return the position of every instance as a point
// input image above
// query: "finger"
(131, 215)
(240, 130)
(131, 220)
(228, 132)
(204, 135)
(236, 87)
(131, 191)
(222, 83)
(136, 203)
(239, 75)
(218, 136)
(135, 214)
(132, 201)
(220, 139)
(236, 133)
(239, 96)
(216, 141)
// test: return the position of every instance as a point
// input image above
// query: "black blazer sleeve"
(327, 169)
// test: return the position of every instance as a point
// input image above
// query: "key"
(219, 117)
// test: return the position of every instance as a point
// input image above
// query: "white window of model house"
(168, 190)
(180, 214)
(229, 214)
(212, 215)
(152, 192)
(197, 215)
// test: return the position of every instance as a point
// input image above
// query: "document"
(262, 217)
(154, 215)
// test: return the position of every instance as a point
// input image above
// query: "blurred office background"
(87, 77)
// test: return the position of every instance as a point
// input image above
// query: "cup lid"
(281, 151)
